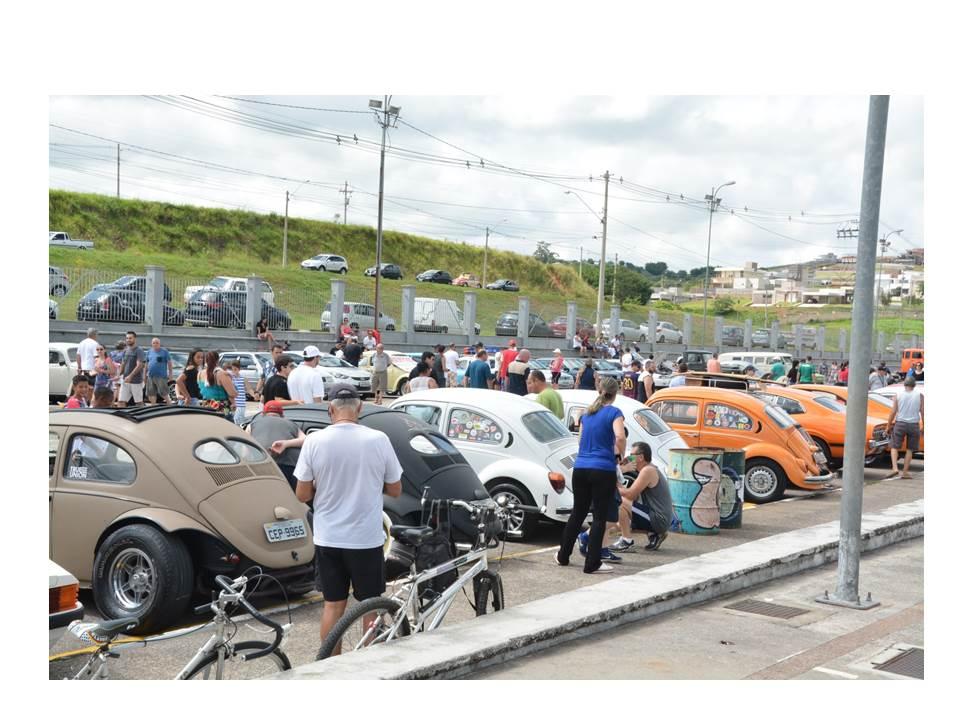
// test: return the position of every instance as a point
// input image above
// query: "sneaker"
(656, 541)
(623, 545)
(604, 568)
(582, 540)
(607, 556)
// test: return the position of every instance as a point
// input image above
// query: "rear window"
(882, 399)
(650, 422)
(544, 426)
(829, 403)
(228, 452)
(778, 416)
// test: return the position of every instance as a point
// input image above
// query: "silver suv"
(59, 283)
(359, 315)
(329, 263)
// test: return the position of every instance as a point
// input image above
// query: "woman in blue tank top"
(585, 378)
(602, 442)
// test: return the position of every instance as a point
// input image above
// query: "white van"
(439, 315)
(762, 361)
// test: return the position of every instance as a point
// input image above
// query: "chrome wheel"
(514, 517)
(761, 481)
(133, 578)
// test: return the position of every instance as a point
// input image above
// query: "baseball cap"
(513, 343)
(558, 352)
(272, 406)
(910, 381)
(311, 351)
(342, 391)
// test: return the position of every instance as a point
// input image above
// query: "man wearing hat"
(346, 489)
(305, 382)
(906, 422)
(281, 436)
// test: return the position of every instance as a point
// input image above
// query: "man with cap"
(906, 422)
(279, 436)
(305, 383)
(346, 489)
(556, 368)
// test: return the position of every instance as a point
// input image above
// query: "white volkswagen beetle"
(517, 447)
(641, 423)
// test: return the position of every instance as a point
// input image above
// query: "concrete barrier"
(482, 642)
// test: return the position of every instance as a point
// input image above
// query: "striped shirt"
(239, 382)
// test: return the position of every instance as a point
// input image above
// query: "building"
(828, 296)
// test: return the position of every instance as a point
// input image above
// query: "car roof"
(709, 393)
(478, 397)
(62, 345)
(588, 396)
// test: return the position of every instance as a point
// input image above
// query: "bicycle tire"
(486, 583)
(206, 669)
(350, 626)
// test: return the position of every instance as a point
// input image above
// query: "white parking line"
(838, 673)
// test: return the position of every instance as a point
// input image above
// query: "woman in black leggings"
(602, 442)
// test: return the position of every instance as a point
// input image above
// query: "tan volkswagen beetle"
(147, 505)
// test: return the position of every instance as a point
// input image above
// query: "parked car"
(631, 331)
(467, 280)
(559, 326)
(763, 337)
(54, 310)
(334, 370)
(508, 285)
(778, 450)
(387, 270)
(63, 366)
(518, 447)
(668, 333)
(695, 359)
(218, 308)
(601, 367)
(825, 420)
(229, 284)
(59, 282)
(440, 315)
(732, 336)
(507, 325)
(761, 360)
(65, 606)
(111, 304)
(397, 374)
(359, 316)
(437, 276)
(147, 505)
(134, 283)
(428, 459)
(910, 356)
(543, 365)
(62, 239)
(252, 364)
(326, 263)
(640, 423)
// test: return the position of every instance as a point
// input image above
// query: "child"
(240, 383)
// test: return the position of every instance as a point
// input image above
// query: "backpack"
(436, 550)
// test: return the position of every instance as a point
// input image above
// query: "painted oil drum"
(731, 488)
(694, 476)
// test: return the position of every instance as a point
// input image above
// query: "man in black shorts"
(347, 492)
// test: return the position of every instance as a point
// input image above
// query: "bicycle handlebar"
(235, 589)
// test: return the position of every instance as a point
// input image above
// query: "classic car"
(398, 373)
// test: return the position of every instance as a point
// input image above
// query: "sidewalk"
(712, 641)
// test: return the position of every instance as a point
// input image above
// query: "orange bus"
(910, 356)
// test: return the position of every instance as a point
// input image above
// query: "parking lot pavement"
(528, 571)
(716, 642)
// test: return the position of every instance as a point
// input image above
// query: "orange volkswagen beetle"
(778, 450)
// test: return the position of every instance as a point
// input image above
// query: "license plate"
(820, 458)
(284, 530)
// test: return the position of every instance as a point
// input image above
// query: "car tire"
(401, 388)
(390, 328)
(58, 291)
(825, 449)
(521, 522)
(661, 339)
(343, 271)
(680, 340)
(444, 330)
(763, 481)
(158, 558)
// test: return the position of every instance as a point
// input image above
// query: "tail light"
(557, 481)
(63, 598)
(215, 305)
(105, 305)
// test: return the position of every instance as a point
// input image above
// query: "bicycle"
(217, 655)
(413, 607)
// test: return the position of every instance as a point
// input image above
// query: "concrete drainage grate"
(908, 663)
(759, 607)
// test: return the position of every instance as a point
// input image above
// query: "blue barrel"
(731, 489)
(694, 476)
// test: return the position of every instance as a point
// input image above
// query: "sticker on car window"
(473, 427)
(78, 473)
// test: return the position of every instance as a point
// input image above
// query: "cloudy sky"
(797, 163)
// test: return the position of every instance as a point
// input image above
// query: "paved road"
(528, 573)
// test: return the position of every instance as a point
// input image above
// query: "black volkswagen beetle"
(427, 459)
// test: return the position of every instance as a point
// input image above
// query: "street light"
(714, 201)
(390, 114)
(483, 282)
(603, 251)
(876, 304)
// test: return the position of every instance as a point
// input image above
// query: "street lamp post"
(390, 114)
(603, 244)
(286, 215)
(876, 303)
(714, 202)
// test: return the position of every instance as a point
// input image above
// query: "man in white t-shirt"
(305, 383)
(451, 360)
(87, 353)
(347, 489)
(627, 360)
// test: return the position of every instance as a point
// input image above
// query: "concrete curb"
(479, 643)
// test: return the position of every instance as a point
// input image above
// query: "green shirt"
(806, 373)
(551, 400)
(777, 370)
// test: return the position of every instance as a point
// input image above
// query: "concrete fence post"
(798, 340)
(718, 332)
(843, 341)
(153, 298)
(470, 316)
(408, 310)
(254, 297)
(748, 333)
(688, 328)
(652, 321)
(338, 292)
(614, 320)
(523, 318)
(775, 335)
(571, 322)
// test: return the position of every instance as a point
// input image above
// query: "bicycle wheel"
(349, 632)
(236, 668)
(485, 584)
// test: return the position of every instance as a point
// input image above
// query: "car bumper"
(877, 444)
(820, 480)
(61, 620)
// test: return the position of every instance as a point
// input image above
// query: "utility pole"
(118, 170)
(581, 262)
(615, 263)
(388, 110)
(851, 503)
(603, 253)
(486, 242)
(346, 200)
(286, 212)
(714, 202)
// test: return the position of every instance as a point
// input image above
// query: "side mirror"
(63, 363)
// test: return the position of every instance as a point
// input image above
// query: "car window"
(430, 414)
(573, 418)
(544, 426)
(681, 412)
(54, 446)
(246, 451)
(778, 416)
(725, 416)
(829, 403)
(471, 426)
(789, 405)
(882, 399)
(214, 452)
(95, 459)
(650, 422)
(54, 357)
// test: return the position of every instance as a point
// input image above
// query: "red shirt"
(74, 403)
(843, 374)
(376, 335)
(508, 356)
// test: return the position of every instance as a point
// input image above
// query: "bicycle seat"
(411, 534)
(109, 629)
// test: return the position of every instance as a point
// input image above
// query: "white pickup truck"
(58, 237)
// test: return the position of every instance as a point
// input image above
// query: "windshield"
(403, 362)
(650, 422)
(329, 361)
(829, 402)
(544, 426)
(606, 365)
(778, 416)
(882, 399)
(218, 282)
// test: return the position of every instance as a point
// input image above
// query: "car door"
(61, 373)
(681, 415)
(723, 424)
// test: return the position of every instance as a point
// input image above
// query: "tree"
(656, 268)
(722, 306)
(544, 254)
